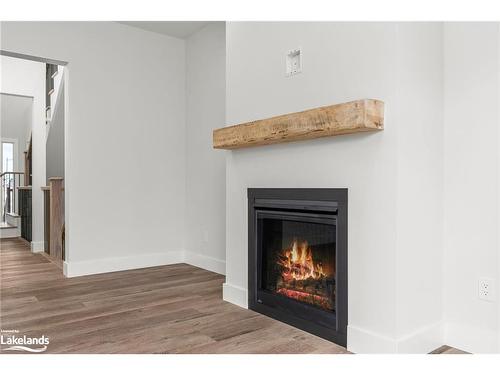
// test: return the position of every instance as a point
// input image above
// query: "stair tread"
(7, 226)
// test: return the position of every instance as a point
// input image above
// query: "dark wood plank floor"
(168, 309)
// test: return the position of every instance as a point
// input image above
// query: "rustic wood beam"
(353, 117)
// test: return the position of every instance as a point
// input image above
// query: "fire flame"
(298, 264)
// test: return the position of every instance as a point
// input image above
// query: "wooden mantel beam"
(353, 117)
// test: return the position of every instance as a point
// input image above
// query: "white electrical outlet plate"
(486, 289)
(293, 62)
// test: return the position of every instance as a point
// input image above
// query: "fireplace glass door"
(297, 254)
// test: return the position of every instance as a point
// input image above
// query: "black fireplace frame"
(320, 203)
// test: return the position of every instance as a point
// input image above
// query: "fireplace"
(297, 268)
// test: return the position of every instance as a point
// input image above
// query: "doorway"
(16, 118)
(38, 159)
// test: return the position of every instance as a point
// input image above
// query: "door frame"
(67, 130)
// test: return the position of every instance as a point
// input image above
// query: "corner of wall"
(235, 294)
(364, 341)
(471, 93)
(470, 338)
(37, 246)
(206, 262)
(421, 341)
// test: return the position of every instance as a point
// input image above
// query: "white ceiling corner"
(177, 29)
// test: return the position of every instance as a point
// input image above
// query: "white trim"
(95, 266)
(9, 232)
(422, 341)
(14, 94)
(235, 294)
(205, 262)
(32, 57)
(67, 163)
(470, 338)
(498, 194)
(37, 247)
(360, 340)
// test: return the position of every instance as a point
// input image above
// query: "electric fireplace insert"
(297, 265)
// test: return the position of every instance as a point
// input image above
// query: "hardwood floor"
(445, 349)
(168, 309)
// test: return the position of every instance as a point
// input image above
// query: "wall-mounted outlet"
(486, 289)
(293, 62)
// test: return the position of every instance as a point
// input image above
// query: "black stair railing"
(9, 182)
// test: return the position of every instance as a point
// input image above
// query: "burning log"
(302, 279)
(314, 299)
(297, 262)
(282, 259)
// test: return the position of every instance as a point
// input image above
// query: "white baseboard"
(422, 341)
(471, 339)
(10, 232)
(363, 341)
(95, 266)
(205, 262)
(37, 246)
(235, 294)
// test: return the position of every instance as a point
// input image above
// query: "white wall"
(27, 78)
(471, 149)
(55, 140)
(16, 118)
(205, 168)
(124, 140)
(343, 62)
(419, 254)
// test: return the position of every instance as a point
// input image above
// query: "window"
(7, 157)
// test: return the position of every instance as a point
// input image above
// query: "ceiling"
(177, 29)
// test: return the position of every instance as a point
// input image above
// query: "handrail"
(4, 173)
